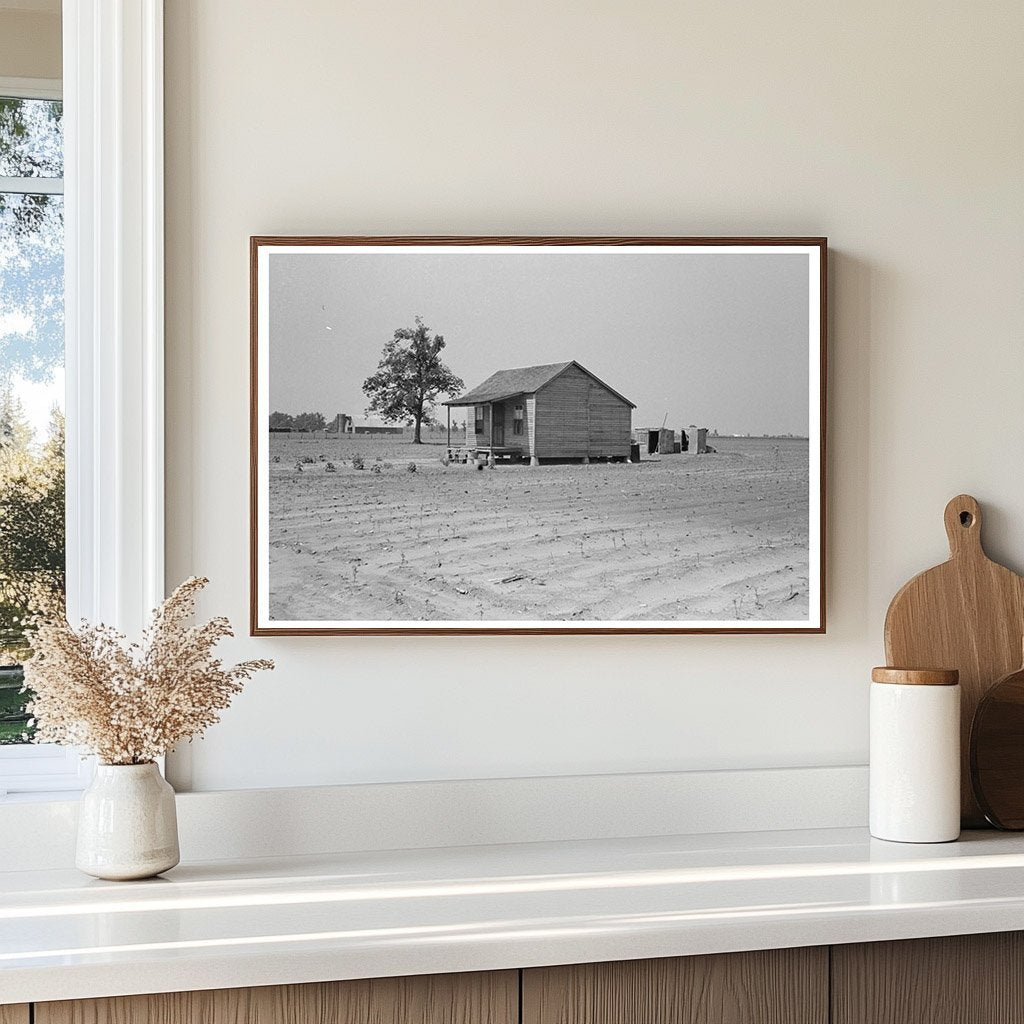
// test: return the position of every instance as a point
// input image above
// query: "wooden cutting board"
(967, 614)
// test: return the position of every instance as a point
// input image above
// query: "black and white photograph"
(550, 435)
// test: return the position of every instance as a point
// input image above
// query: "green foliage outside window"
(32, 546)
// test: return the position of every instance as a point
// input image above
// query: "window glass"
(31, 387)
(31, 138)
(517, 420)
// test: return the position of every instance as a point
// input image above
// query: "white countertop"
(226, 924)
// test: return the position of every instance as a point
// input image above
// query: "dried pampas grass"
(130, 703)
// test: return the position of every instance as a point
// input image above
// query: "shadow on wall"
(854, 288)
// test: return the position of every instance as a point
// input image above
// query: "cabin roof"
(523, 380)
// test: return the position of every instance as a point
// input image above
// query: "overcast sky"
(717, 340)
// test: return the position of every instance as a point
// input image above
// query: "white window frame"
(32, 88)
(113, 222)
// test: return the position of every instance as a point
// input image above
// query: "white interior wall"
(895, 129)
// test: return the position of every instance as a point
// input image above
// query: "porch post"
(449, 408)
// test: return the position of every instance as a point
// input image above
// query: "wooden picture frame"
(339, 495)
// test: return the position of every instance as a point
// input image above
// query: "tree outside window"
(32, 548)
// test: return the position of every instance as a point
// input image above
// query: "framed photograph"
(537, 435)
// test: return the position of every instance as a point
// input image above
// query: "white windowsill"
(42, 771)
(388, 913)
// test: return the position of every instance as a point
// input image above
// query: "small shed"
(554, 411)
(698, 439)
(655, 440)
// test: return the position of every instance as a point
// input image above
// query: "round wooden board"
(997, 752)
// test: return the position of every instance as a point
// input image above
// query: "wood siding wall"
(577, 417)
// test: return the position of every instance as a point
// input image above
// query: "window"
(478, 426)
(517, 420)
(112, 126)
(32, 548)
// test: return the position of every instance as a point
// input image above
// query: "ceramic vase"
(127, 825)
(915, 755)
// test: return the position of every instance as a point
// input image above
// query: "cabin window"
(517, 420)
(478, 427)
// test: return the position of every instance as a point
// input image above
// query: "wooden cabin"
(556, 411)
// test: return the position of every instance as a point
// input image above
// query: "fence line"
(406, 434)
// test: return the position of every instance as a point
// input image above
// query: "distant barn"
(557, 411)
(341, 424)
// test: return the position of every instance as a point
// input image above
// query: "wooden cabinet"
(968, 979)
(778, 986)
(962, 979)
(491, 998)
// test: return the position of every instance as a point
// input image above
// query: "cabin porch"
(496, 428)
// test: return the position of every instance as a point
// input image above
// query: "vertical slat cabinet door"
(780, 986)
(960, 979)
(14, 1014)
(481, 998)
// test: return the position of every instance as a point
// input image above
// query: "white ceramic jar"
(127, 823)
(915, 755)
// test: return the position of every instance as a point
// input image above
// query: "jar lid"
(916, 676)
